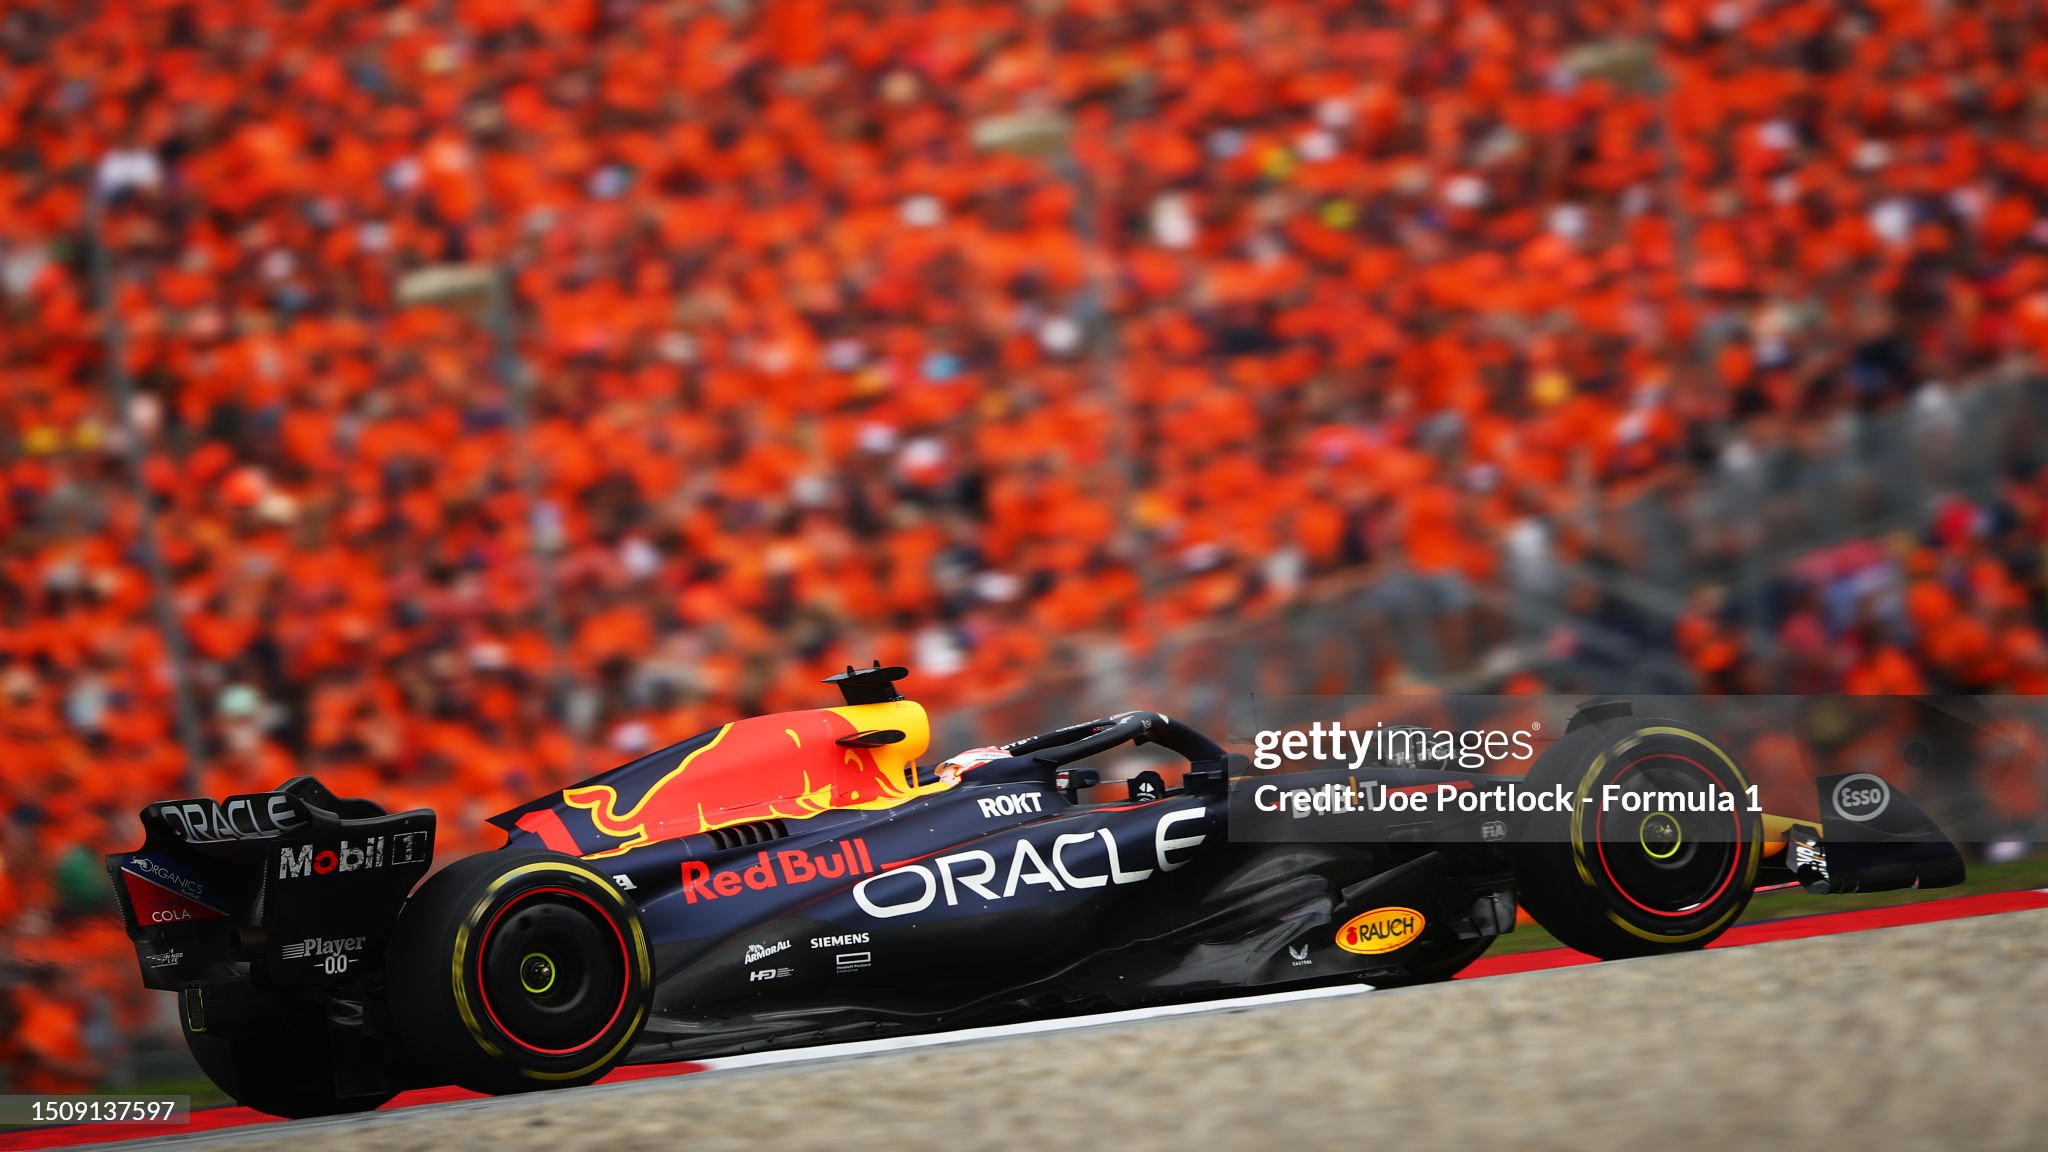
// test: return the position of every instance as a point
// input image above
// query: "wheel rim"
(1669, 863)
(1661, 836)
(537, 973)
(551, 969)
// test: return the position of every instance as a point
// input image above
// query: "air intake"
(742, 835)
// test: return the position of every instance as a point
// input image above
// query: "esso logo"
(1861, 797)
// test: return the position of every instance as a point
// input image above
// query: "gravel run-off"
(1928, 1036)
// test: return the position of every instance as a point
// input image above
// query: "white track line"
(857, 1048)
(845, 1051)
(852, 1050)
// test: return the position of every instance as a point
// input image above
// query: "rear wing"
(295, 889)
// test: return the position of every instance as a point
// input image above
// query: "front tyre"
(1658, 851)
(518, 970)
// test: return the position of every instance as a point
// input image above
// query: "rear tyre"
(518, 970)
(286, 1072)
(1619, 875)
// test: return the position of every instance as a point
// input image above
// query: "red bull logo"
(786, 766)
(775, 869)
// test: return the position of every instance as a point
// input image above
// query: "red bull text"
(775, 869)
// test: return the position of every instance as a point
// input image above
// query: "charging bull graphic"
(788, 765)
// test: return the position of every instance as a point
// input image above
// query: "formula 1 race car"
(797, 878)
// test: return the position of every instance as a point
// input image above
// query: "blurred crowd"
(816, 368)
